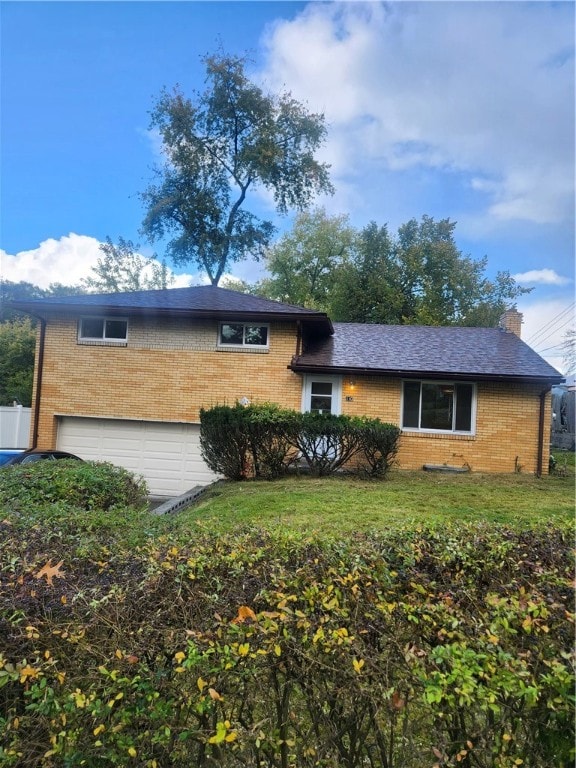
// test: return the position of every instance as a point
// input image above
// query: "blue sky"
(460, 110)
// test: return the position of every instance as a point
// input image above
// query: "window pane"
(256, 334)
(463, 408)
(437, 405)
(231, 333)
(92, 328)
(116, 329)
(411, 404)
(321, 397)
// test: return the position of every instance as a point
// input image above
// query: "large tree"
(303, 264)
(368, 286)
(442, 286)
(217, 148)
(418, 276)
(122, 268)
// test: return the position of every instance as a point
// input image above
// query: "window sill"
(250, 350)
(438, 435)
(101, 343)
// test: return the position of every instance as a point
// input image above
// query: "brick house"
(122, 378)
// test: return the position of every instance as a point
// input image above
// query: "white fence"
(15, 426)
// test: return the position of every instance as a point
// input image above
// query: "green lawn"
(344, 505)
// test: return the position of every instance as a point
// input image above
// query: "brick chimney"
(511, 322)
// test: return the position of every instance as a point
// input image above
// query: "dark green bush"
(327, 442)
(225, 442)
(85, 485)
(266, 441)
(272, 432)
(379, 446)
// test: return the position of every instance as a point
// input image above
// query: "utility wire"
(555, 330)
(549, 325)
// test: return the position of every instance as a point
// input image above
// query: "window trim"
(102, 339)
(244, 345)
(429, 430)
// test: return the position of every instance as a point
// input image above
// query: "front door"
(322, 394)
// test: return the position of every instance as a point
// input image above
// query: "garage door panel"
(166, 455)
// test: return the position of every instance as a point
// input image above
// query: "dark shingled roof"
(420, 351)
(198, 301)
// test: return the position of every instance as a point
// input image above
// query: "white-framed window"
(439, 406)
(322, 393)
(254, 335)
(109, 329)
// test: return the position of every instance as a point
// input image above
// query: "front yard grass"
(340, 506)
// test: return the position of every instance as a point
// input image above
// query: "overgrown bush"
(266, 441)
(85, 485)
(418, 648)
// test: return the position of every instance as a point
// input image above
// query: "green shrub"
(265, 441)
(224, 441)
(85, 485)
(272, 432)
(418, 648)
(327, 442)
(379, 446)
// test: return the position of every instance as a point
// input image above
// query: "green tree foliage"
(368, 287)
(304, 262)
(418, 276)
(122, 268)
(23, 291)
(18, 338)
(441, 286)
(17, 344)
(217, 148)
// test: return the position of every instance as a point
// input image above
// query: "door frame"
(335, 380)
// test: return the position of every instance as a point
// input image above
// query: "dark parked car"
(37, 454)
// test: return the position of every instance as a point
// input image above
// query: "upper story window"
(110, 329)
(433, 406)
(243, 335)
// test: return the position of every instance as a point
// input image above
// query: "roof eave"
(404, 374)
(39, 308)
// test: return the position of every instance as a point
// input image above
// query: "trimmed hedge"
(80, 484)
(419, 648)
(266, 441)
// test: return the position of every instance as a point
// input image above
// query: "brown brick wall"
(170, 369)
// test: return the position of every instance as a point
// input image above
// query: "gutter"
(400, 373)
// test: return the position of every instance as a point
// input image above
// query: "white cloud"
(542, 276)
(483, 89)
(67, 260)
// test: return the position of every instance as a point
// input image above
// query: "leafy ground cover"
(220, 638)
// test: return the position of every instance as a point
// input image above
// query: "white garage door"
(166, 455)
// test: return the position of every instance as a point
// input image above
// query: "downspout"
(39, 371)
(540, 460)
(298, 338)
